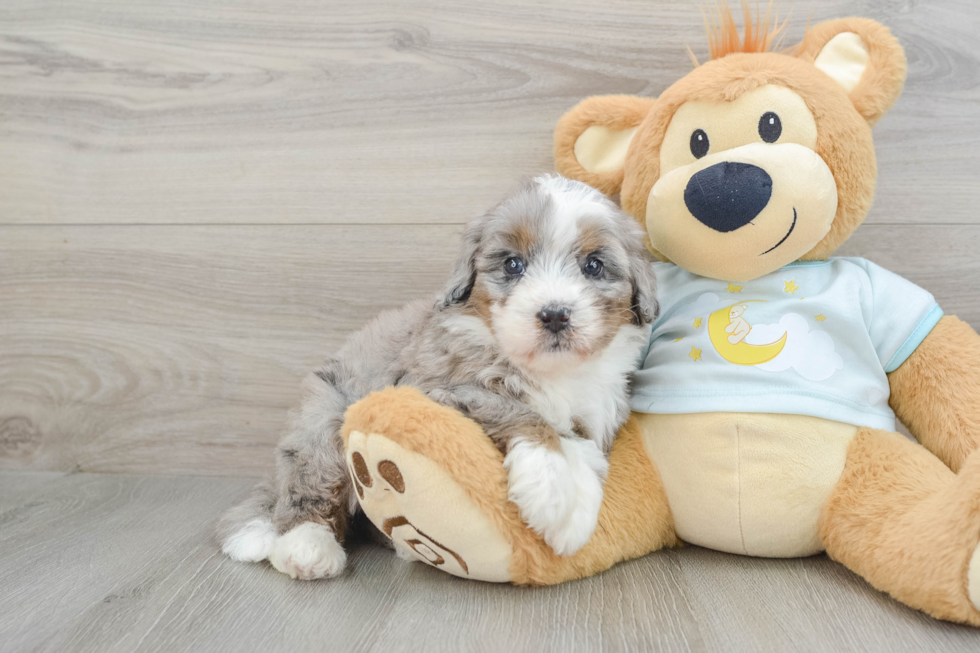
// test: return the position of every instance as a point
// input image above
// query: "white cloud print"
(810, 353)
(706, 302)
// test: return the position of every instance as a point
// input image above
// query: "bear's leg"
(901, 519)
(936, 392)
(433, 482)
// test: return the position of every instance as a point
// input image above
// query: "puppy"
(544, 318)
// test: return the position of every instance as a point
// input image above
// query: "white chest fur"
(593, 393)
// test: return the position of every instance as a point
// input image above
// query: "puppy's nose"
(728, 195)
(555, 319)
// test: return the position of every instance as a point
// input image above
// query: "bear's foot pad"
(427, 515)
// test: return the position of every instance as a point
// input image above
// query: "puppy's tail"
(246, 532)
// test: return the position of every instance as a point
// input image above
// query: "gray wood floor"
(106, 563)
(198, 201)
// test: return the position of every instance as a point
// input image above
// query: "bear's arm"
(936, 391)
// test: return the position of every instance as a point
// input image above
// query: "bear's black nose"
(728, 195)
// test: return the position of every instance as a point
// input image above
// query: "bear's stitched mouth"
(791, 228)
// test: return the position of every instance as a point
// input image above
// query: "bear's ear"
(863, 57)
(592, 139)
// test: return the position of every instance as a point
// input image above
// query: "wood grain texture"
(177, 347)
(303, 111)
(153, 349)
(198, 201)
(108, 563)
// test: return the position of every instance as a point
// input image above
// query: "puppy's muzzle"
(555, 318)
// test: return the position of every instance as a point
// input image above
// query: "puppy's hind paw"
(307, 552)
(558, 493)
(252, 542)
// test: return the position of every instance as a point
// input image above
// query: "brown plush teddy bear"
(765, 407)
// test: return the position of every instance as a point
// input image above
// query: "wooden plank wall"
(199, 200)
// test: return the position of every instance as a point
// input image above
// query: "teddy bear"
(738, 326)
(775, 438)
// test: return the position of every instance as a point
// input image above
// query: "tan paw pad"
(425, 513)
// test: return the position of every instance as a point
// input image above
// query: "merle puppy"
(542, 321)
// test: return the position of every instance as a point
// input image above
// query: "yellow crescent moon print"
(741, 353)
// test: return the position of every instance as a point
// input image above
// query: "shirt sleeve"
(902, 315)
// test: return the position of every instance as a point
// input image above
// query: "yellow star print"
(791, 287)
(820, 318)
(678, 339)
(697, 323)
(732, 288)
(695, 354)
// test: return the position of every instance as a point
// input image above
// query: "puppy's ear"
(863, 57)
(592, 139)
(643, 303)
(463, 274)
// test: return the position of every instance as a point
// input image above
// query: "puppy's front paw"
(558, 493)
(589, 468)
(308, 551)
(540, 484)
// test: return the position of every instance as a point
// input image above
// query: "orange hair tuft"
(723, 37)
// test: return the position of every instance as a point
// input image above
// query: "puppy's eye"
(593, 267)
(770, 127)
(514, 267)
(699, 143)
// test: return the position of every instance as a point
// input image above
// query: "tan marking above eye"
(521, 237)
(731, 124)
(590, 238)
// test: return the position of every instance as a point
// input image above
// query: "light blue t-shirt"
(812, 338)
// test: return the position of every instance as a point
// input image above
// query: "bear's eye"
(770, 127)
(699, 143)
